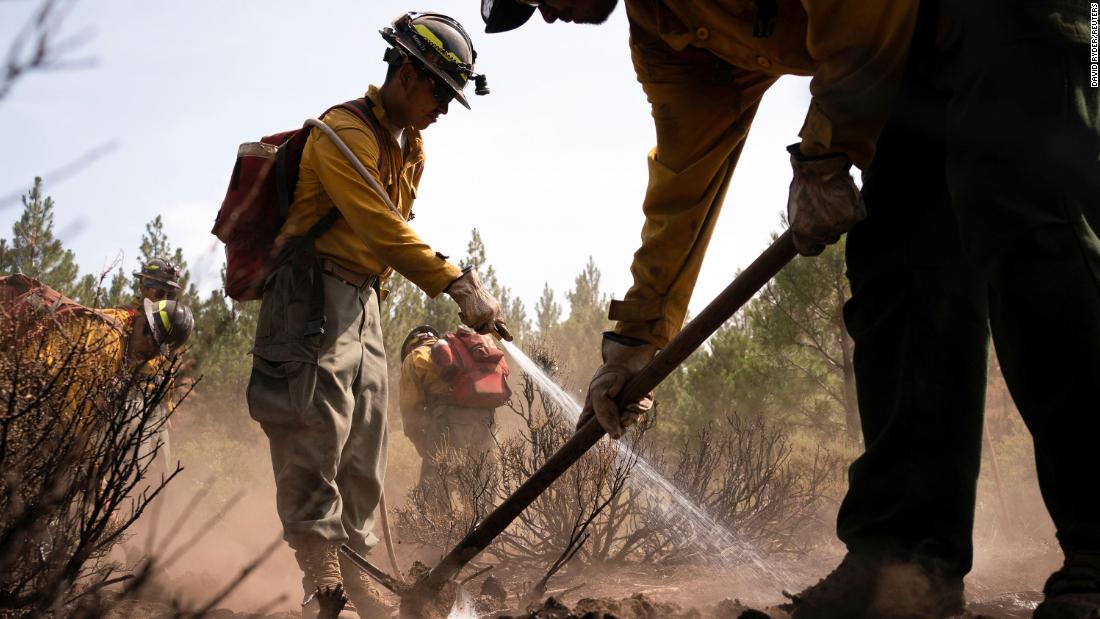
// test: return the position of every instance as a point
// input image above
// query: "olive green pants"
(983, 202)
(321, 400)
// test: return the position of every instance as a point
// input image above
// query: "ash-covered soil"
(638, 591)
(1009, 606)
(639, 606)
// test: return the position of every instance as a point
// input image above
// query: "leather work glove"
(478, 309)
(623, 357)
(824, 201)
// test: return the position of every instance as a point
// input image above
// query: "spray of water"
(463, 607)
(702, 531)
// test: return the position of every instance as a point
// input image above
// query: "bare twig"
(37, 47)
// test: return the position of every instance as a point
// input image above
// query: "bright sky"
(550, 167)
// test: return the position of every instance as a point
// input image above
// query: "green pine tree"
(514, 311)
(786, 356)
(224, 330)
(798, 321)
(575, 342)
(33, 250)
(547, 312)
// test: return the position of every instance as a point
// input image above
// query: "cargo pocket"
(271, 322)
(281, 393)
(284, 312)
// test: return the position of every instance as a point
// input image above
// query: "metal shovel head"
(451, 601)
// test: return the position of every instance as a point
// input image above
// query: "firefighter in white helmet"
(318, 384)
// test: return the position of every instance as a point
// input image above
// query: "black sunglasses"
(443, 93)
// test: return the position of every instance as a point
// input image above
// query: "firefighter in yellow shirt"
(435, 418)
(318, 383)
(158, 280)
(978, 214)
(704, 66)
(96, 346)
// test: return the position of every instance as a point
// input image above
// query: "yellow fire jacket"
(420, 387)
(92, 347)
(704, 73)
(368, 237)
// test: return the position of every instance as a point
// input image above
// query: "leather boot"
(317, 558)
(1073, 592)
(914, 590)
(870, 587)
(845, 592)
(362, 592)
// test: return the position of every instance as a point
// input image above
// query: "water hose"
(384, 510)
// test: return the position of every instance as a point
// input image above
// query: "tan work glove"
(478, 309)
(623, 357)
(824, 201)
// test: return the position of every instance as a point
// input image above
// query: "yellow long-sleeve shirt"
(368, 237)
(91, 347)
(421, 386)
(704, 73)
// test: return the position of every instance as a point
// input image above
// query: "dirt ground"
(1002, 587)
(235, 521)
(727, 593)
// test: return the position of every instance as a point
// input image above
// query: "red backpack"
(261, 189)
(31, 303)
(474, 369)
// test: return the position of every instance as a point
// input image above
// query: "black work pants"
(983, 204)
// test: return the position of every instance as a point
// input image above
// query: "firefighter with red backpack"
(99, 345)
(314, 221)
(451, 386)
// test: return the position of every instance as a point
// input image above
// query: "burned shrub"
(747, 476)
(589, 502)
(79, 439)
(731, 491)
(462, 488)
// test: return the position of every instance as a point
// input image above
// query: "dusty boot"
(317, 558)
(1073, 592)
(845, 592)
(911, 590)
(362, 592)
(875, 588)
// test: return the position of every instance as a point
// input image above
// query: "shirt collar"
(412, 136)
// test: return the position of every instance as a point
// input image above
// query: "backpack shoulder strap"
(362, 109)
(355, 163)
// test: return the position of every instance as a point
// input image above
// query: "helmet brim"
(460, 97)
(414, 336)
(168, 283)
(413, 52)
(505, 15)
